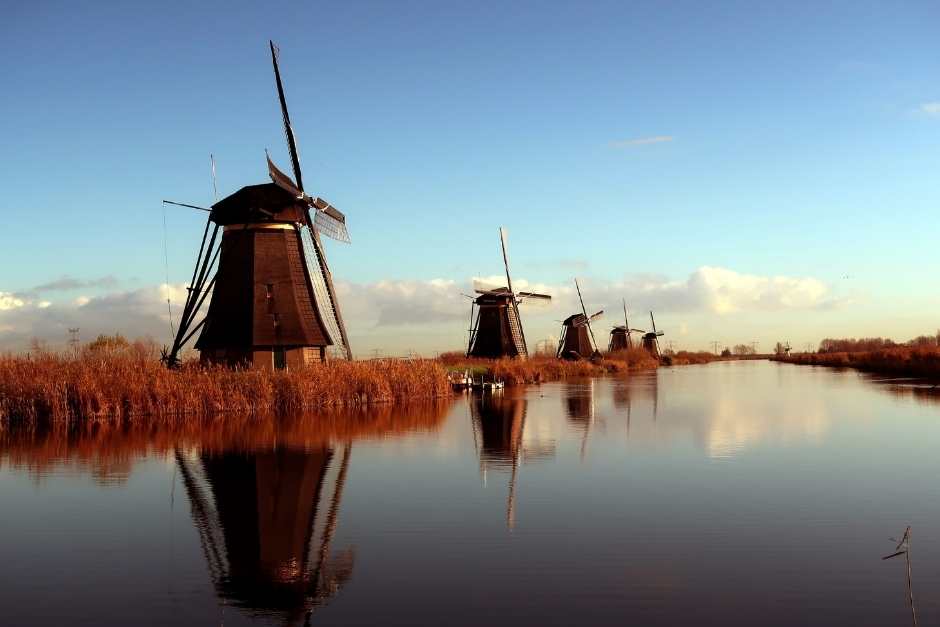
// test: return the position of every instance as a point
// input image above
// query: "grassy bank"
(898, 360)
(543, 368)
(113, 384)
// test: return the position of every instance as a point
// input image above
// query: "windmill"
(620, 335)
(272, 302)
(497, 330)
(577, 336)
(650, 340)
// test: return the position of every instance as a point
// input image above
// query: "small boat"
(487, 385)
(460, 380)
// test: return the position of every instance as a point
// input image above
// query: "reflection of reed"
(904, 548)
(920, 392)
(107, 450)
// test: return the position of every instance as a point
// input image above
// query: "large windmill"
(620, 335)
(272, 302)
(577, 337)
(497, 330)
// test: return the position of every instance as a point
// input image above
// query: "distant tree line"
(868, 344)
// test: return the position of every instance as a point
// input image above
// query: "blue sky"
(799, 143)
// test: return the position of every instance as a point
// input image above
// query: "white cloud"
(930, 108)
(10, 301)
(641, 141)
(429, 315)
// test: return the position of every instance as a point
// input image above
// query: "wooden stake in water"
(904, 548)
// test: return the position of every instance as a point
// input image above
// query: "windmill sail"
(326, 219)
(322, 283)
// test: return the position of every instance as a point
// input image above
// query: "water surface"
(734, 494)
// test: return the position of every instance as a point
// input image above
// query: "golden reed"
(544, 368)
(124, 384)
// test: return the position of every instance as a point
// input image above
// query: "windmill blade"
(578, 287)
(288, 131)
(282, 180)
(653, 320)
(534, 296)
(625, 319)
(584, 311)
(502, 242)
(328, 209)
(596, 316)
(331, 226)
(484, 287)
(322, 282)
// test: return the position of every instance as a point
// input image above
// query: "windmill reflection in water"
(266, 520)
(499, 422)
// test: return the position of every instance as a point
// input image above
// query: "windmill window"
(269, 296)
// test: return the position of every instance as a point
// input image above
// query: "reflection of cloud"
(734, 427)
(723, 409)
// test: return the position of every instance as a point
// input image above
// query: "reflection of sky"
(628, 521)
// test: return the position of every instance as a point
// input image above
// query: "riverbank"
(544, 368)
(123, 384)
(900, 361)
(126, 383)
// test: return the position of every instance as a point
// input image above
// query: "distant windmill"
(620, 335)
(497, 329)
(272, 298)
(650, 340)
(577, 336)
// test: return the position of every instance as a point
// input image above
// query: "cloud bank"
(428, 315)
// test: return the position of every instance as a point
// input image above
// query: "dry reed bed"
(902, 361)
(690, 358)
(542, 369)
(122, 384)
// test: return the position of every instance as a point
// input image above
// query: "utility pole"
(73, 338)
(754, 345)
(715, 346)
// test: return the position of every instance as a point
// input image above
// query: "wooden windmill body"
(272, 303)
(650, 339)
(577, 336)
(620, 336)
(497, 330)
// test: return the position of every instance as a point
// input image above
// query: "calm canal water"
(730, 494)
